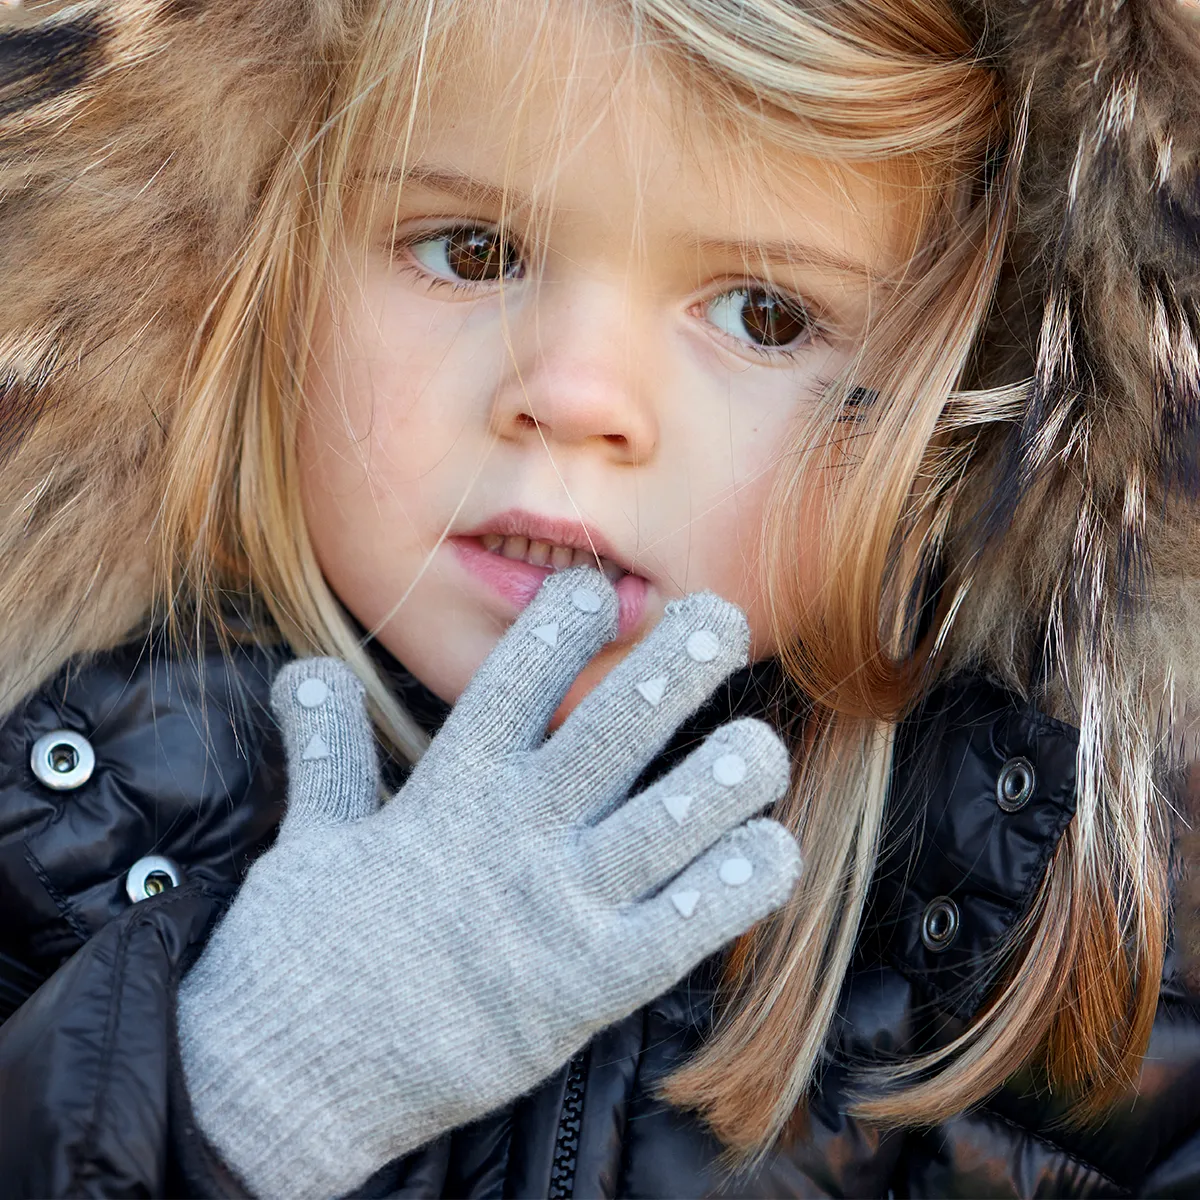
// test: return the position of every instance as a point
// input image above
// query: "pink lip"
(516, 522)
(518, 582)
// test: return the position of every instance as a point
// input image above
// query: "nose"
(580, 374)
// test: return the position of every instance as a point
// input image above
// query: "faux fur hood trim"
(135, 139)
(1076, 556)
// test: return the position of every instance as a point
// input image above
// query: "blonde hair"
(870, 81)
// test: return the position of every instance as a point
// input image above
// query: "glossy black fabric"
(92, 1102)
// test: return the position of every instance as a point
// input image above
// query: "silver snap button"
(151, 876)
(63, 760)
(1015, 784)
(939, 923)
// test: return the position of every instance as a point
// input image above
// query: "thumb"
(333, 775)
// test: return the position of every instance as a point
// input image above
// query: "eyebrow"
(786, 252)
(780, 253)
(458, 184)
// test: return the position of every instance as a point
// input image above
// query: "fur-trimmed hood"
(135, 140)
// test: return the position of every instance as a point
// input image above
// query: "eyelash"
(407, 263)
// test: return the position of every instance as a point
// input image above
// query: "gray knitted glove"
(383, 976)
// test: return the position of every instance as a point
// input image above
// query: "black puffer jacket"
(186, 769)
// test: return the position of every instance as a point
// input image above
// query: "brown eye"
(469, 255)
(763, 319)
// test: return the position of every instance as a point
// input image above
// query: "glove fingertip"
(310, 682)
(715, 617)
(781, 854)
(333, 774)
(762, 746)
(576, 591)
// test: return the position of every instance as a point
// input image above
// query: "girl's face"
(590, 338)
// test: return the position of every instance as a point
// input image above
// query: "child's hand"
(387, 974)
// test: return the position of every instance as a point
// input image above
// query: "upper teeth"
(546, 554)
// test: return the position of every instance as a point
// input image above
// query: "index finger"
(511, 698)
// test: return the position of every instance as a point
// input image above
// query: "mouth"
(547, 554)
(514, 552)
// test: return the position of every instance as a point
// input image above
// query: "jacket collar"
(960, 851)
(982, 789)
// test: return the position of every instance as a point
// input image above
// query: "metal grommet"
(151, 875)
(63, 760)
(939, 923)
(1015, 784)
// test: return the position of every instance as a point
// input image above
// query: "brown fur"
(1079, 538)
(132, 151)
(1089, 508)
(135, 139)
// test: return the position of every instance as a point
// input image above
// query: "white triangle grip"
(317, 748)
(685, 902)
(677, 806)
(653, 690)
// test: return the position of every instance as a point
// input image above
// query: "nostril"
(526, 421)
(616, 439)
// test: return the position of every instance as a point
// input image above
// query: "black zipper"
(566, 1141)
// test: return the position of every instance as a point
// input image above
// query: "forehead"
(573, 116)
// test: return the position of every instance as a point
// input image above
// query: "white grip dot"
(736, 871)
(703, 646)
(312, 693)
(729, 770)
(586, 600)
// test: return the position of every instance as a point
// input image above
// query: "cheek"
(734, 535)
(740, 448)
(396, 395)
(370, 384)
(718, 550)
(375, 458)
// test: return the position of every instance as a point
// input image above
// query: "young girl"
(548, 362)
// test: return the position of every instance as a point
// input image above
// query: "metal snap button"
(63, 760)
(151, 876)
(939, 923)
(1015, 784)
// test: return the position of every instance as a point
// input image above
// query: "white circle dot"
(703, 646)
(586, 600)
(729, 769)
(312, 693)
(736, 871)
